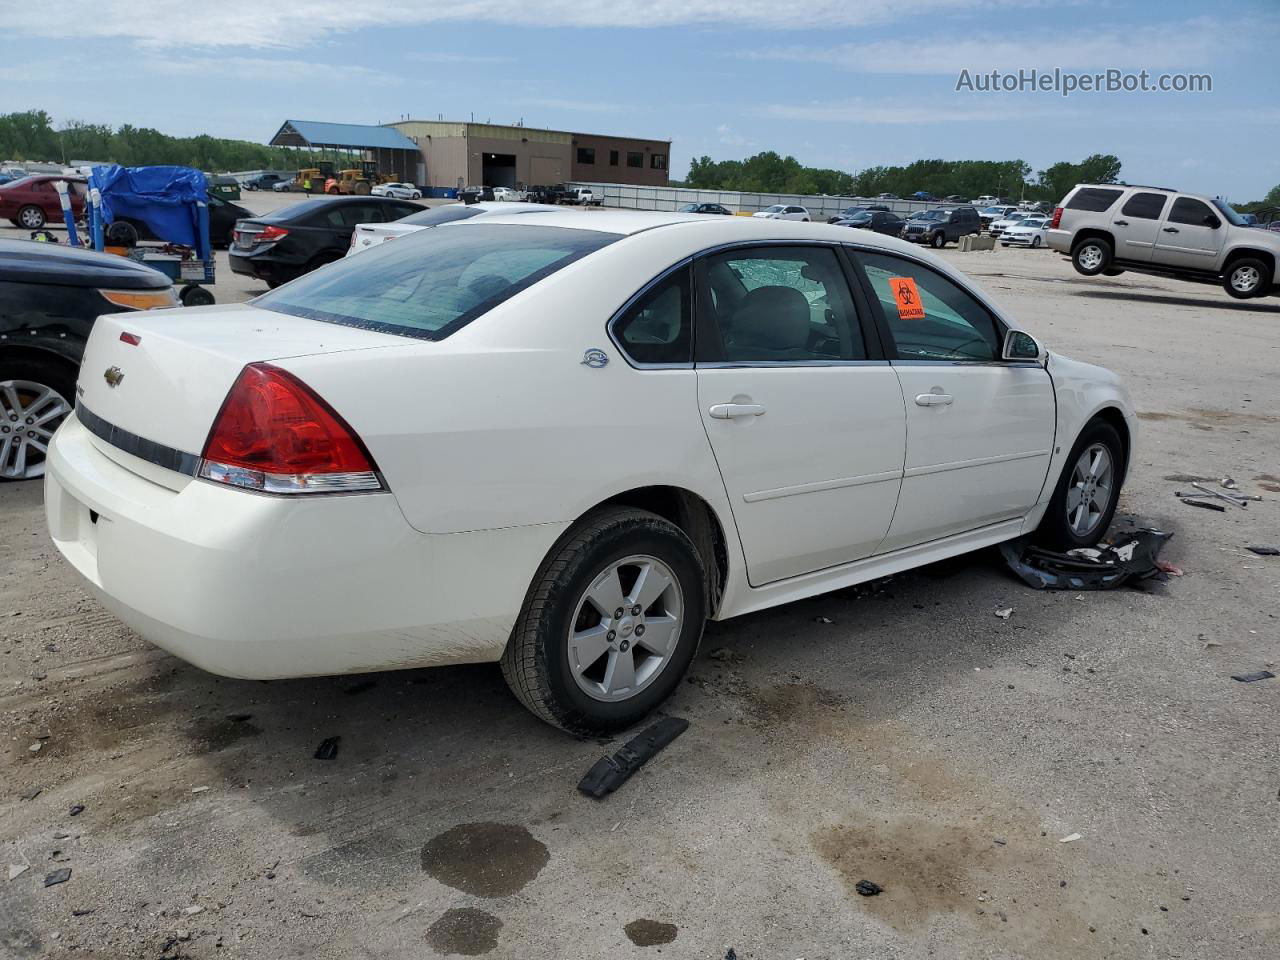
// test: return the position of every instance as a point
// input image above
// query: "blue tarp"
(166, 199)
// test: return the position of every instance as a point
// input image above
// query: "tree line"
(30, 135)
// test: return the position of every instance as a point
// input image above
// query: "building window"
(658, 161)
(586, 154)
(613, 158)
(635, 159)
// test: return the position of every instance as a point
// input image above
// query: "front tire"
(1246, 278)
(35, 397)
(1087, 493)
(611, 622)
(938, 241)
(1035, 243)
(1091, 256)
(31, 217)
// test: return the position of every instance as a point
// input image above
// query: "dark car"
(223, 216)
(296, 239)
(848, 212)
(49, 296)
(880, 221)
(955, 198)
(705, 208)
(31, 202)
(475, 194)
(939, 227)
(264, 181)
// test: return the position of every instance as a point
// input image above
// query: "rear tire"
(193, 296)
(37, 390)
(584, 668)
(1246, 278)
(1091, 256)
(1071, 520)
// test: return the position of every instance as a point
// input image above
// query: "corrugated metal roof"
(305, 133)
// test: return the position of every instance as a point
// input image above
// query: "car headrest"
(772, 318)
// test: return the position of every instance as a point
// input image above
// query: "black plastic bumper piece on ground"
(609, 773)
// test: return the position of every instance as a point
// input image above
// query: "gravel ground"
(916, 741)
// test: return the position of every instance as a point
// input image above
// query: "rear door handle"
(1170, 229)
(1122, 223)
(731, 411)
(934, 399)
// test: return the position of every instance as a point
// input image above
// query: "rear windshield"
(446, 214)
(433, 282)
(1093, 199)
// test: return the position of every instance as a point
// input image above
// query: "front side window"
(1191, 212)
(779, 304)
(587, 155)
(635, 159)
(929, 316)
(658, 327)
(1144, 206)
(433, 282)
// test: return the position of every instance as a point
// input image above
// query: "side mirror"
(1020, 345)
(1212, 222)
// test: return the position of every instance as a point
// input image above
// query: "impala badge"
(595, 358)
(113, 376)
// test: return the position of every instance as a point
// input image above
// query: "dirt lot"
(916, 740)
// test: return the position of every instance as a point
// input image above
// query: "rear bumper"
(262, 587)
(1059, 240)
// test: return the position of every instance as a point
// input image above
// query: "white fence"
(627, 197)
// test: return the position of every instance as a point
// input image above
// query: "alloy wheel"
(625, 628)
(1245, 279)
(1090, 257)
(29, 414)
(31, 217)
(1090, 490)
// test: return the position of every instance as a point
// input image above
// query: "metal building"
(395, 154)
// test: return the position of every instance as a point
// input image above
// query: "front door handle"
(934, 399)
(731, 411)
(1121, 223)
(1170, 229)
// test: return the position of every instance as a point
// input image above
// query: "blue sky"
(841, 83)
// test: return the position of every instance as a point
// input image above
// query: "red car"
(30, 202)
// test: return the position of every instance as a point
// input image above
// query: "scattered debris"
(31, 794)
(192, 910)
(199, 789)
(1228, 484)
(823, 620)
(39, 675)
(1070, 838)
(61, 835)
(1250, 677)
(76, 810)
(1005, 613)
(731, 955)
(1265, 551)
(61, 875)
(868, 888)
(1204, 505)
(328, 748)
(1172, 569)
(35, 747)
(18, 869)
(81, 913)
(1000, 841)
(609, 773)
(1134, 558)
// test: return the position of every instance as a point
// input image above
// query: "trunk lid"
(368, 235)
(168, 386)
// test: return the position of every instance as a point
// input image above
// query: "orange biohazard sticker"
(907, 297)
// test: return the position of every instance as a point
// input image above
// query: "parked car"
(580, 196)
(1111, 228)
(368, 235)
(889, 224)
(887, 196)
(1028, 232)
(509, 195)
(998, 227)
(782, 211)
(1000, 211)
(264, 181)
(401, 191)
(940, 226)
(284, 186)
(280, 246)
(50, 295)
(1250, 219)
(31, 202)
(849, 212)
(223, 216)
(924, 195)
(541, 194)
(714, 208)
(987, 200)
(956, 199)
(475, 194)
(391, 463)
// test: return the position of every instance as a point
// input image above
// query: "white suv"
(1112, 227)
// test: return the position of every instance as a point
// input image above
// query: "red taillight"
(271, 234)
(1057, 218)
(274, 434)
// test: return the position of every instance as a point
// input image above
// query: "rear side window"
(1186, 210)
(1093, 199)
(433, 282)
(1144, 206)
(657, 328)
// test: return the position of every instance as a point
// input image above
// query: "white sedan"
(367, 235)
(1000, 225)
(401, 191)
(783, 211)
(502, 441)
(1028, 232)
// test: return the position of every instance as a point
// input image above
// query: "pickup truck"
(581, 196)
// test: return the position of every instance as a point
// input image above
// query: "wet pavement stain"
(650, 933)
(212, 736)
(485, 859)
(465, 931)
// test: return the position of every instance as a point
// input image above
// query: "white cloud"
(913, 113)
(424, 57)
(265, 69)
(296, 23)
(725, 135)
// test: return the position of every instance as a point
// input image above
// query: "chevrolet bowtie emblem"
(113, 376)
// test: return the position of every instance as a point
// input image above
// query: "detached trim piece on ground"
(609, 773)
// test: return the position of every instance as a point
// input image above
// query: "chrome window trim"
(967, 363)
(787, 364)
(635, 298)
